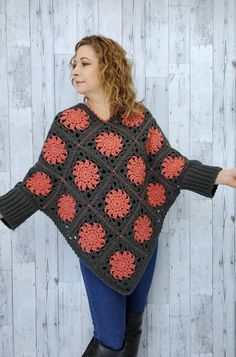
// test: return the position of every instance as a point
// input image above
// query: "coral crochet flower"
(66, 207)
(117, 203)
(142, 229)
(172, 166)
(39, 183)
(155, 140)
(156, 194)
(54, 150)
(91, 237)
(136, 169)
(122, 264)
(109, 144)
(86, 174)
(75, 119)
(133, 121)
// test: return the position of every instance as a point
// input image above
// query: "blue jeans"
(108, 307)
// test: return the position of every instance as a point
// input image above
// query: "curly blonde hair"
(115, 74)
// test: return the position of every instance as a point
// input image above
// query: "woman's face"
(85, 71)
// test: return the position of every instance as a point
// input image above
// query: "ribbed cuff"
(200, 178)
(16, 206)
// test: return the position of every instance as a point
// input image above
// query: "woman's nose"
(76, 74)
(75, 70)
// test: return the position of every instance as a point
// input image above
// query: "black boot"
(96, 349)
(132, 334)
(131, 341)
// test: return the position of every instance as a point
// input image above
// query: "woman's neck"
(103, 109)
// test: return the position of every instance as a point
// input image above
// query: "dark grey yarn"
(20, 203)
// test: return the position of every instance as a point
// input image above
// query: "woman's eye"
(84, 64)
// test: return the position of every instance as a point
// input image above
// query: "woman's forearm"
(220, 179)
(226, 177)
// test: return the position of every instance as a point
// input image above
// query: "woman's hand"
(226, 177)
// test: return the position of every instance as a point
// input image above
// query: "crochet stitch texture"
(107, 186)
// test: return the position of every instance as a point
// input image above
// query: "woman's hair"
(115, 74)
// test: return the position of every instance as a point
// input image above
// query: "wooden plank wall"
(182, 52)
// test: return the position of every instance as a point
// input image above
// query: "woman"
(102, 73)
(123, 315)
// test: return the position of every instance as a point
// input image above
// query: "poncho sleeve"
(183, 173)
(26, 197)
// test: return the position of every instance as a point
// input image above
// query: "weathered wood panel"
(181, 52)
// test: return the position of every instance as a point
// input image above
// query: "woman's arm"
(180, 171)
(226, 177)
(19, 203)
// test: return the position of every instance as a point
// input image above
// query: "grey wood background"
(182, 52)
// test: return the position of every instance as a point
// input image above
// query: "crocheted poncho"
(108, 187)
